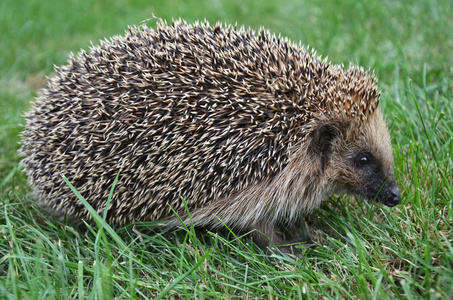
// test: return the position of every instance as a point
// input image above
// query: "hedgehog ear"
(323, 138)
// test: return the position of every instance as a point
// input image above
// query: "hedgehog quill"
(250, 129)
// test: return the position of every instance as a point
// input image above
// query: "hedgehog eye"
(363, 160)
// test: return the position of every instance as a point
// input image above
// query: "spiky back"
(189, 111)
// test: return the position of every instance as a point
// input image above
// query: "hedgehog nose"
(394, 197)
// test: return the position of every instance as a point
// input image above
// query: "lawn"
(359, 250)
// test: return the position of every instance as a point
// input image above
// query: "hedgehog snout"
(393, 197)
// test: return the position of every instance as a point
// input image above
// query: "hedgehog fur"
(252, 130)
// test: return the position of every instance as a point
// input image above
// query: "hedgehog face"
(377, 184)
(358, 159)
(370, 159)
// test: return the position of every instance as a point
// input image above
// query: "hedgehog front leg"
(264, 234)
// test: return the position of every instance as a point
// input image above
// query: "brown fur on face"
(373, 178)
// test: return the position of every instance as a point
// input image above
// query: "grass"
(361, 251)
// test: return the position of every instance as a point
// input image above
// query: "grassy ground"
(362, 251)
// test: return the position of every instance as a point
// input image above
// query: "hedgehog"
(209, 125)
